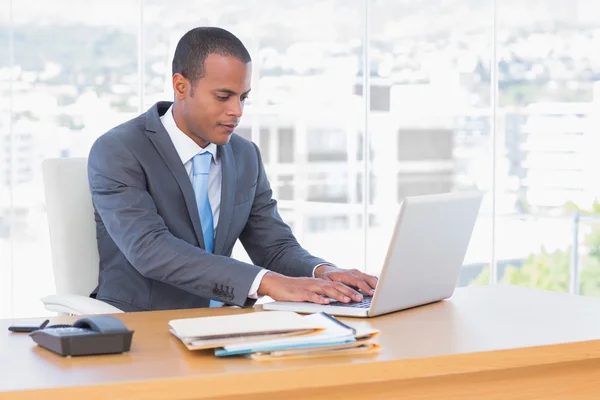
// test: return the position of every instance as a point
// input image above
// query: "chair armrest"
(77, 305)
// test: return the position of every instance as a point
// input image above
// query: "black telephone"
(99, 334)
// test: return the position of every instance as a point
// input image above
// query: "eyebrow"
(231, 92)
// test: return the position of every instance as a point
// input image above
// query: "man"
(174, 188)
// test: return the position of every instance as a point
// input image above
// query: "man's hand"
(283, 288)
(349, 277)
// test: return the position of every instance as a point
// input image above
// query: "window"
(75, 75)
(425, 144)
(285, 187)
(286, 145)
(327, 145)
(380, 94)
(417, 184)
(427, 125)
(328, 187)
(265, 145)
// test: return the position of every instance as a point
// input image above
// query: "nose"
(236, 108)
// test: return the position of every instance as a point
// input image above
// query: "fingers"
(359, 283)
(354, 279)
(317, 291)
(342, 293)
(315, 298)
(370, 279)
(337, 291)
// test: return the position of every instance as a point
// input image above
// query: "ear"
(181, 86)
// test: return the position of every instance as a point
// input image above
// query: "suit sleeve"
(118, 186)
(268, 240)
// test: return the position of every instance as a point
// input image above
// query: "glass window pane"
(430, 117)
(549, 109)
(309, 54)
(265, 145)
(286, 145)
(75, 77)
(6, 289)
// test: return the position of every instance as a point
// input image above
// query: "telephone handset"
(99, 334)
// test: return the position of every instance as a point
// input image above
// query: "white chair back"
(72, 227)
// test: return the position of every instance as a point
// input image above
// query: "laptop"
(423, 261)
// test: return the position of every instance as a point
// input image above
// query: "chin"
(221, 140)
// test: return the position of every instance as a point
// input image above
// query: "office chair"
(73, 243)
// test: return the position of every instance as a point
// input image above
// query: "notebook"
(360, 347)
(218, 331)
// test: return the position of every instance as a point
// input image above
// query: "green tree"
(570, 208)
(546, 270)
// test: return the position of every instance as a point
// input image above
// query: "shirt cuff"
(317, 266)
(253, 294)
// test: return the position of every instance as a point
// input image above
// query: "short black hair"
(198, 43)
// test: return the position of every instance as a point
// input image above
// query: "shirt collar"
(186, 148)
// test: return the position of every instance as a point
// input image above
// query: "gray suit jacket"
(148, 228)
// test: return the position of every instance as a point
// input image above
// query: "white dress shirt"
(186, 149)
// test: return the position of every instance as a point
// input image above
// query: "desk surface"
(477, 329)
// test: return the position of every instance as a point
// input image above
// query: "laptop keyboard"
(365, 303)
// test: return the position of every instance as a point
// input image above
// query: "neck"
(180, 122)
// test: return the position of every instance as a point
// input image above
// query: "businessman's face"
(211, 109)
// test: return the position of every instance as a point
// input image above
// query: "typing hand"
(283, 288)
(349, 277)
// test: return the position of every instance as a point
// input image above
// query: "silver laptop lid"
(427, 249)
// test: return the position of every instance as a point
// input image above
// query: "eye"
(222, 98)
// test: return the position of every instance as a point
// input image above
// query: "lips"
(228, 127)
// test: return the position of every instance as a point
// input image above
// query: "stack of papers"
(273, 335)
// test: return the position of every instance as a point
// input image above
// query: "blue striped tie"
(201, 168)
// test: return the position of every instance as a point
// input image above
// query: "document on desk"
(333, 336)
(273, 335)
(359, 347)
(218, 331)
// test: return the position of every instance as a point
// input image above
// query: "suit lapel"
(228, 184)
(160, 138)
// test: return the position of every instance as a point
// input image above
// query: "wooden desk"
(496, 342)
